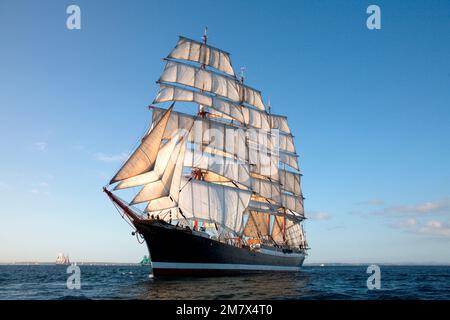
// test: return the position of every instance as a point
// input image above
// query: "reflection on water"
(133, 282)
(257, 286)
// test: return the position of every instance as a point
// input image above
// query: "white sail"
(290, 159)
(162, 160)
(290, 181)
(263, 163)
(293, 203)
(160, 204)
(279, 122)
(293, 234)
(224, 166)
(212, 136)
(171, 199)
(143, 158)
(191, 50)
(267, 189)
(162, 187)
(181, 73)
(220, 107)
(285, 142)
(260, 206)
(258, 225)
(169, 92)
(278, 229)
(213, 202)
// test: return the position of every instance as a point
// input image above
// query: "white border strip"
(221, 266)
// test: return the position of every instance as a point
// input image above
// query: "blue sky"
(369, 110)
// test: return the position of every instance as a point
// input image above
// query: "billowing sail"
(169, 92)
(258, 225)
(211, 135)
(290, 181)
(170, 200)
(278, 229)
(280, 123)
(162, 160)
(293, 203)
(293, 234)
(267, 189)
(220, 107)
(213, 202)
(232, 169)
(162, 187)
(143, 158)
(290, 159)
(191, 50)
(205, 80)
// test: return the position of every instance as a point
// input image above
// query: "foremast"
(224, 166)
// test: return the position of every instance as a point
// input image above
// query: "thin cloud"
(372, 202)
(111, 158)
(318, 216)
(429, 227)
(41, 146)
(78, 147)
(4, 185)
(40, 188)
(425, 208)
(437, 228)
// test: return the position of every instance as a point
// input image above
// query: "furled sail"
(213, 202)
(191, 50)
(205, 80)
(144, 157)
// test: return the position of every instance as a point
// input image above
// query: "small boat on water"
(145, 261)
(62, 259)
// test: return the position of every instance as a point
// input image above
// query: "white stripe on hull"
(221, 266)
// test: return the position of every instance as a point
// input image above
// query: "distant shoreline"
(331, 264)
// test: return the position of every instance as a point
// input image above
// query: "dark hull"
(177, 251)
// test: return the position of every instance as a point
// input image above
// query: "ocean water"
(133, 282)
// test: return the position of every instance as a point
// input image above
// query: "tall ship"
(62, 259)
(213, 186)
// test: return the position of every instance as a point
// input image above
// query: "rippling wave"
(133, 282)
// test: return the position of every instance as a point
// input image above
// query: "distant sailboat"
(62, 259)
(212, 191)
